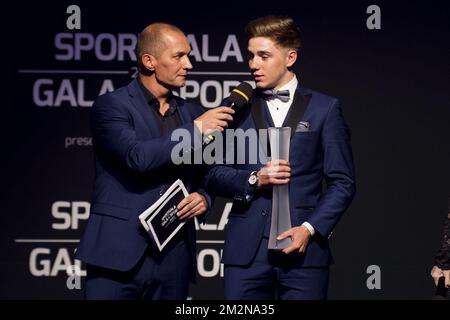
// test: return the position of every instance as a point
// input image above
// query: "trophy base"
(279, 244)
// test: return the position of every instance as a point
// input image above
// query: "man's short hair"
(282, 30)
(150, 40)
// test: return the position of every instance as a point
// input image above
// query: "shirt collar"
(152, 101)
(291, 86)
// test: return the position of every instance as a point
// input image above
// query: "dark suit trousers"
(274, 275)
(157, 276)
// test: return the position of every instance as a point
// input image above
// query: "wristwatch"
(253, 179)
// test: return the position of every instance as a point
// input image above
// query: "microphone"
(239, 97)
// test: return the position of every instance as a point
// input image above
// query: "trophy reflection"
(281, 217)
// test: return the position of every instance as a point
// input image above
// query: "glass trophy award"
(281, 217)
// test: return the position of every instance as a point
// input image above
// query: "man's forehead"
(262, 46)
(175, 42)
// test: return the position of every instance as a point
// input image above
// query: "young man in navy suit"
(131, 130)
(319, 151)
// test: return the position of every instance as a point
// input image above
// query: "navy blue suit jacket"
(133, 168)
(321, 154)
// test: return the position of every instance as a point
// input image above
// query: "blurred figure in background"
(441, 268)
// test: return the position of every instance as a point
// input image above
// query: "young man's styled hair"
(281, 30)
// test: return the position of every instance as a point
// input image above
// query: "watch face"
(252, 179)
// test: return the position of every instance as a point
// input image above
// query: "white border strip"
(74, 71)
(47, 241)
(218, 73)
(76, 241)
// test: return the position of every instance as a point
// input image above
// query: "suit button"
(161, 191)
(263, 213)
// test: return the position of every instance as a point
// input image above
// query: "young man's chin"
(260, 85)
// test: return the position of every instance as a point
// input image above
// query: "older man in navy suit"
(132, 129)
(319, 151)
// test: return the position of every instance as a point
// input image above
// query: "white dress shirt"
(279, 109)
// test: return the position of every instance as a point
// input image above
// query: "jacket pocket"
(236, 215)
(105, 209)
(305, 134)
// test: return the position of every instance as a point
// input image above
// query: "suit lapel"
(295, 114)
(185, 115)
(138, 100)
(296, 111)
(258, 113)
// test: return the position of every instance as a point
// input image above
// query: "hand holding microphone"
(214, 120)
(217, 119)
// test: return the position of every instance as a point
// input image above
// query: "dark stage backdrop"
(393, 84)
